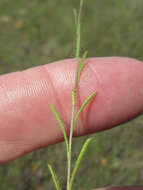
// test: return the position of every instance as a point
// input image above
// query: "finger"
(121, 188)
(27, 123)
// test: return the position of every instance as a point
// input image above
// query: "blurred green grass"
(38, 32)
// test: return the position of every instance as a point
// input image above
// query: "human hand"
(26, 121)
(28, 124)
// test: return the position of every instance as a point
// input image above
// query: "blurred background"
(38, 32)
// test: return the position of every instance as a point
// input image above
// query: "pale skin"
(27, 123)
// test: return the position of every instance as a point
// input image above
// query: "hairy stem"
(74, 98)
(70, 141)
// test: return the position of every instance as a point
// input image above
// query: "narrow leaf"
(54, 177)
(83, 105)
(81, 154)
(78, 42)
(81, 67)
(73, 96)
(79, 31)
(61, 125)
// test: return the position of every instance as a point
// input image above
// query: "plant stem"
(74, 97)
(70, 144)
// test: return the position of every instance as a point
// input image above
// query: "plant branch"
(74, 95)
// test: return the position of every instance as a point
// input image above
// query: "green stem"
(74, 98)
(70, 140)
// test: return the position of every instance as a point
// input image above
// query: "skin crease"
(26, 121)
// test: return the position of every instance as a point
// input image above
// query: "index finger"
(27, 123)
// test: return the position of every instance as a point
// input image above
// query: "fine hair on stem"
(74, 116)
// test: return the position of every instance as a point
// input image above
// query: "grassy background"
(37, 32)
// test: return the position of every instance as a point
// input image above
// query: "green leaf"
(81, 154)
(78, 31)
(83, 105)
(81, 67)
(54, 177)
(78, 42)
(73, 96)
(61, 125)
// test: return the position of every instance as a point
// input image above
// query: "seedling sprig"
(75, 116)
